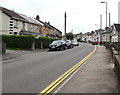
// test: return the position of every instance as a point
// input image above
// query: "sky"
(82, 15)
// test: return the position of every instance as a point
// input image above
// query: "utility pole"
(100, 21)
(109, 20)
(106, 14)
(65, 25)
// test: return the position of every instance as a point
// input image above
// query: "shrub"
(116, 45)
(43, 42)
(18, 41)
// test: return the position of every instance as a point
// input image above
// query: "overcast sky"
(82, 15)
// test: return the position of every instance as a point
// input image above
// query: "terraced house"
(17, 24)
(13, 23)
(46, 29)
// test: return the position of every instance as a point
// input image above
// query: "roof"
(117, 27)
(29, 19)
(12, 14)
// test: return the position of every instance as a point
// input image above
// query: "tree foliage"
(69, 36)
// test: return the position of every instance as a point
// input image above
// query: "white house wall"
(5, 24)
(114, 38)
(0, 22)
(119, 12)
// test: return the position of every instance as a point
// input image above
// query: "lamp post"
(106, 12)
(106, 19)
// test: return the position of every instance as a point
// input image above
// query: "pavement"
(11, 54)
(96, 76)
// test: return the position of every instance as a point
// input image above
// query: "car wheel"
(61, 49)
(65, 47)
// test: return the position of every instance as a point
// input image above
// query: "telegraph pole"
(109, 20)
(65, 25)
(100, 21)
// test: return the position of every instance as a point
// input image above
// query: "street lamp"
(106, 12)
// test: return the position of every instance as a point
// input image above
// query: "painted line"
(70, 76)
(52, 86)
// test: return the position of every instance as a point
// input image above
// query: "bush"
(116, 45)
(69, 36)
(43, 42)
(18, 41)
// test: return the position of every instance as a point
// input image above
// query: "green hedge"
(116, 45)
(18, 41)
(44, 41)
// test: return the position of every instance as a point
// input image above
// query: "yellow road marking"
(65, 75)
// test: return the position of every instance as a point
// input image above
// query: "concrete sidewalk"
(11, 54)
(96, 76)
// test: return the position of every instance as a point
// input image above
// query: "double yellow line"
(52, 86)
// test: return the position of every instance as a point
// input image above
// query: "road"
(33, 72)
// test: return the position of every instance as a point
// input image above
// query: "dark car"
(69, 44)
(58, 45)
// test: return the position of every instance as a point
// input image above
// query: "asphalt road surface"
(33, 72)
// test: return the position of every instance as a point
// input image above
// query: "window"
(31, 27)
(11, 24)
(15, 33)
(15, 24)
(10, 32)
(11, 21)
(23, 27)
(36, 28)
(11, 27)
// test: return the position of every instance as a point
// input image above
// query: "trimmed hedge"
(116, 45)
(18, 41)
(43, 42)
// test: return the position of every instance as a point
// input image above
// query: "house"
(31, 27)
(0, 21)
(48, 30)
(17, 24)
(12, 23)
(115, 33)
(106, 34)
(78, 36)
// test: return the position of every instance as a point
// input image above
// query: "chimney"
(38, 18)
(49, 22)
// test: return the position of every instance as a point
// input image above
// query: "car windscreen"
(56, 42)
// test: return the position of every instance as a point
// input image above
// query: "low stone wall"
(116, 61)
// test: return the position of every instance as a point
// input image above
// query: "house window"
(11, 21)
(11, 27)
(36, 28)
(10, 32)
(15, 33)
(11, 24)
(31, 27)
(15, 24)
(23, 27)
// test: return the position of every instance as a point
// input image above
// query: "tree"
(69, 36)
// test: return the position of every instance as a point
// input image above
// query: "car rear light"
(68, 43)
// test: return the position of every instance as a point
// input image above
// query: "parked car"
(75, 43)
(69, 44)
(58, 45)
(94, 42)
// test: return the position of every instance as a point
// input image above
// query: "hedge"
(43, 42)
(18, 41)
(116, 45)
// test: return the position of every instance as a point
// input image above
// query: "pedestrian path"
(96, 76)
